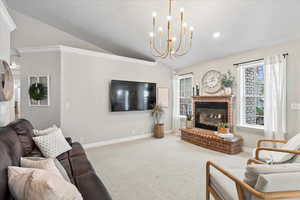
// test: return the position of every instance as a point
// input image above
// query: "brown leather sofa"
(16, 141)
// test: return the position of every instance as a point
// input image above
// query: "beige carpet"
(157, 169)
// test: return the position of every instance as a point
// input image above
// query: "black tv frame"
(111, 93)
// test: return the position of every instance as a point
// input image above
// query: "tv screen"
(130, 96)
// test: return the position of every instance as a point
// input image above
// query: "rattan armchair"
(241, 186)
(260, 149)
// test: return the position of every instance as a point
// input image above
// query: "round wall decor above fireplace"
(7, 82)
(211, 81)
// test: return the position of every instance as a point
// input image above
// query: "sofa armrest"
(91, 187)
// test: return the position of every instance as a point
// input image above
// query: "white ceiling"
(122, 26)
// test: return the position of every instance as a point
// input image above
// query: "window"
(252, 94)
(185, 94)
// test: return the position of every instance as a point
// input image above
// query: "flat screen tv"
(132, 96)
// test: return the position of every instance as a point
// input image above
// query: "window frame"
(184, 77)
(242, 96)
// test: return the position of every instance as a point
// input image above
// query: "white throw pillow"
(292, 144)
(253, 171)
(37, 184)
(46, 131)
(49, 164)
(52, 145)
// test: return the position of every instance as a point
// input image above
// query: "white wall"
(4, 41)
(293, 81)
(32, 32)
(41, 63)
(6, 26)
(85, 112)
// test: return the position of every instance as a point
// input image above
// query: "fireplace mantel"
(214, 97)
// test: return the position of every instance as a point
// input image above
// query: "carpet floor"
(157, 169)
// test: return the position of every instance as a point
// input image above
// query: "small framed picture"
(39, 90)
(163, 96)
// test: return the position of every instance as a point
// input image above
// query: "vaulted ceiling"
(122, 26)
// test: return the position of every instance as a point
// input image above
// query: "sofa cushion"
(24, 130)
(65, 162)
(224, 186)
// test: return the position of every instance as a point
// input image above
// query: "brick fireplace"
(209, 111)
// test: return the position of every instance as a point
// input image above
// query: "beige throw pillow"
(18, 181)
(52, 145)
(50, 164)
(37, 184)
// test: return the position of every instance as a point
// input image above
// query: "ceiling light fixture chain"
(170, 47)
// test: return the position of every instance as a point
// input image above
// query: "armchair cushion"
(279, 182)
(224, 186)
(253, 171)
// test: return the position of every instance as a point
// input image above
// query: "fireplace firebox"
(209, 111)
(209, 114)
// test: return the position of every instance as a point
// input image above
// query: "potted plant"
(227, 82)
(157, 114)
(223, 128)
(189, 117)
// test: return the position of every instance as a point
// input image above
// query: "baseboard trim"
(119, 140)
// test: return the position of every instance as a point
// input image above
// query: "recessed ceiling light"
(216, 34)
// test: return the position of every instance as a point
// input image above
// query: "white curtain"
(275, 97)
(176, 118)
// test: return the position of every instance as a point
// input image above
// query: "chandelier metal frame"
(171, 48)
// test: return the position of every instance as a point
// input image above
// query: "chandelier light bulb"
(170, 46)
(216, 34)
(154, 14)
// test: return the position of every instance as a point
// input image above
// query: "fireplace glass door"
(209, 114)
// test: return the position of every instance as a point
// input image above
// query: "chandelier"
(170, 46)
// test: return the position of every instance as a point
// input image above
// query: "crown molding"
(85, 52)
(105, 55)
(6, 17)
(38, 49)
